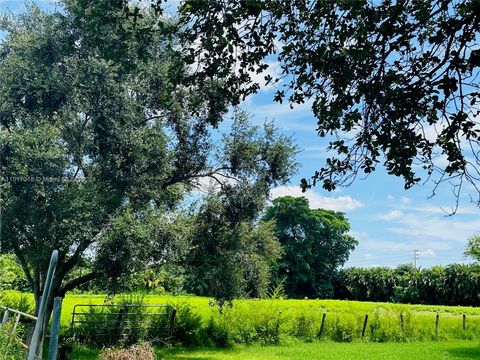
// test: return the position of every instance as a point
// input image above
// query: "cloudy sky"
(388, 221)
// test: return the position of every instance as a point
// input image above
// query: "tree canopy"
(101, 140)
(392, 83)
(473, 248)
(232, 255)
(315, 243)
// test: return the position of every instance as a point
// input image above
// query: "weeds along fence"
(12, 344)
(110, 324)
(245, 324)
(265, 322)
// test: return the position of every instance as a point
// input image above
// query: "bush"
(187, 326)
(342, 330)
(384, 325)
(12, 276)
(18, 301)
(305, 328)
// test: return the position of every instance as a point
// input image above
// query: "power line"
(415, 258)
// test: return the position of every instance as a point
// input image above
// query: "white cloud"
(298, 118)
(337, 203)
(359, 235)
(427, 253)
(432, 226)
(405, 200)
(386, 245)
(391, 215)
(429, 209)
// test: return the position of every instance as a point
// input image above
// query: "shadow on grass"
(465, 353)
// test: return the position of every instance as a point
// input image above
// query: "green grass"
(460, 350)
(201, 304)
(279, 321)
(290, 305)
(302, 318)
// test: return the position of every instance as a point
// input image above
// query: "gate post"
(34, 352)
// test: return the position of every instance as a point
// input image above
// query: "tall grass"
(11, 343)
(276, 321)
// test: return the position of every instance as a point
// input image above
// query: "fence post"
(55, 329)
(437, 316)
(277, 328)
(322, 326)
(364, 325)
(464, 321)
(34, 350)
(172, 321)
(12, 334)
(5, 318)
(402, 325)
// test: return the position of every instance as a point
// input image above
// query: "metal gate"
(109, 324)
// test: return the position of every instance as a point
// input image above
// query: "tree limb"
(77, 282)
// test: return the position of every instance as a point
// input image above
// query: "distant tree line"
(455, 284)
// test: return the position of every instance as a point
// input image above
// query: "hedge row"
(454, 284)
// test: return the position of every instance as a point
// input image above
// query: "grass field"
(294, 325)
(301, 319)
(288, 306)
(344, 319)
(461, 350)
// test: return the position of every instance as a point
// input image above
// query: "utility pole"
(415, 258)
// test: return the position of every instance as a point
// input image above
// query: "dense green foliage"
(396, 77)
(12, 276)
(454, 284)
(314, 242)
(12, 336)
(473, 248)
(232, 256)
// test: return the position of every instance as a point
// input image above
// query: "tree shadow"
(465, 353)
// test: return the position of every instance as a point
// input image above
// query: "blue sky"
(388, 221)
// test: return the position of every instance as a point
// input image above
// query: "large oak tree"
(101, 138)
(315, 243)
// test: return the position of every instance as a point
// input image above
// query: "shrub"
(384, 325)
(187, 326)
(343, 329)
(305, 327)
(18, 301)
(12, 276)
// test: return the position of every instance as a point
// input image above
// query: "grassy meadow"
(291, 329)
(301, 319)
(448, 350)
